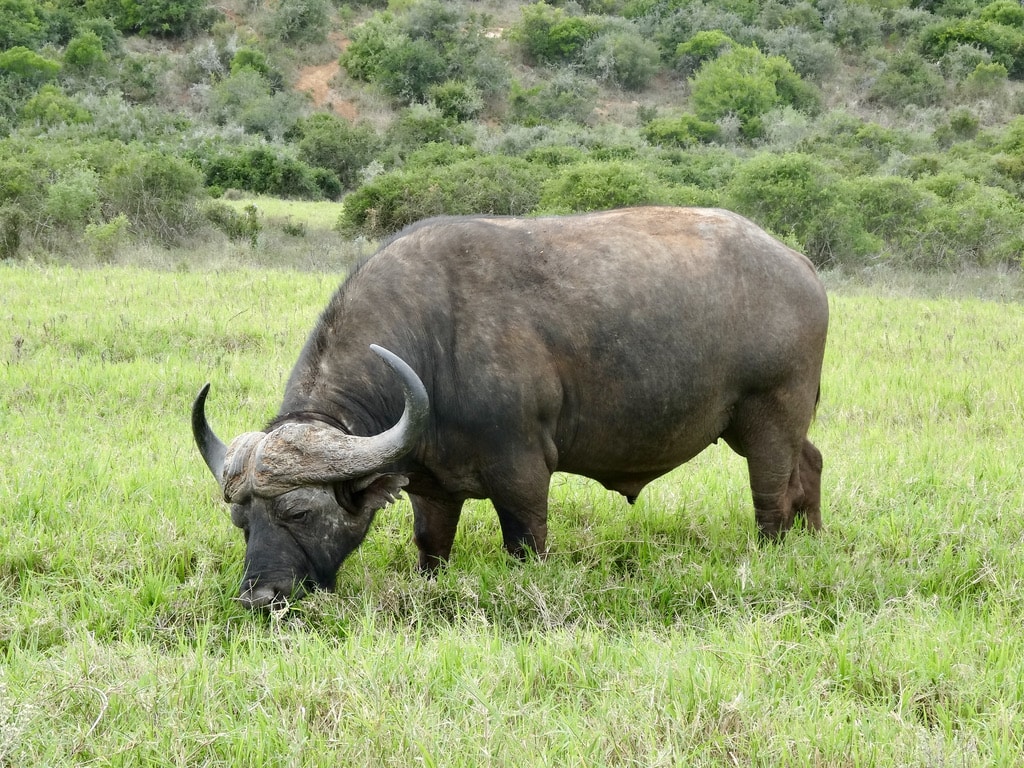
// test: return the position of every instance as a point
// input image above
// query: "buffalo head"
(305, 493)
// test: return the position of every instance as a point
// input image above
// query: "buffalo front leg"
(434, 524)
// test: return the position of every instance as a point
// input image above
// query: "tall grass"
(659, 634)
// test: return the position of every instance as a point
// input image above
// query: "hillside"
(864, 132)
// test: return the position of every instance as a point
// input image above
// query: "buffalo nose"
(254, 597)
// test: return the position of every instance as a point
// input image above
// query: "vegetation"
(657, 634)
(659, 101)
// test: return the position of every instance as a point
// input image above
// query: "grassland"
(659, 634)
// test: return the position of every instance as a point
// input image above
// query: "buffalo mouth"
(272, 598)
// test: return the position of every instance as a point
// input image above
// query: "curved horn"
(210, 446)
(297, 454)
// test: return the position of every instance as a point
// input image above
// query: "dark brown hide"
(614, 345)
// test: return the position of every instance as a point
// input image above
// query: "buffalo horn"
(297, 454)
(210, 446)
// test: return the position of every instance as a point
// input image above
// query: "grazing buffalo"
(614, 345)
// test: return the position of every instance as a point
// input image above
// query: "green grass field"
(659, 634)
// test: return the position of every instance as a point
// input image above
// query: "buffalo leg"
(771, 437)
(434, 524)
(805, 486)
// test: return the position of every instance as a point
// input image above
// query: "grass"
(659, 634)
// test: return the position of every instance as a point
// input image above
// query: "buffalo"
(614, 345)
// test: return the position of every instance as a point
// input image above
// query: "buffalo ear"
(368, 494)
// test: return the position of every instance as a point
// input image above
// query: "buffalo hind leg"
(766, 431)
(434, 524)
(805, 486)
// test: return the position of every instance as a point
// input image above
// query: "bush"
(431, 44)
(159, 18)
(623, 58)
(264, 172)
(1003, 42)
(11, 224)
(237, 226)
(85, 54)
(702, 47)
(594, 186)
(564, 97)
(548, 35)
(907, 79)
(28, 66)
(457, 100)
(50, 107)
(796, 195)
(158, 193)
(329, 142)
(681, 131)
(746, 83)
(300, 21)
(494, 184)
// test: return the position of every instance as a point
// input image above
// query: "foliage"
(594, 186)
(329, 142)
(796, 195)
(300, 21)
(158, 194)
(236, 225)
(549, 35)
(564, 97)
(428, 46)
(85, 53)
(702, 47)
(262, 171)
(457, 100)
(160, 18)
(28, 66)
(50, 107)
(907, 79)
(682, 131)
(1005, 42)
(621, 57)
(744, 82)
(498, 185)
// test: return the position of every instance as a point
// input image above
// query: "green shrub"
(907, 79)
(796, 195)
(327, 141)
(51, 107)
(159, 18)
(457, 100)
(493, 184)
(157, 192)
(20, 24)
(300, 21)
(703, 46)
(548, 35)
(986, 81)
(431, 44)
(237, 226)
(73, 198)
(593, 186)
(11, 224)
(418, 125)
(29, 66)
(264, 172)
(565, 96)
(622, 57)
(105, 238)
(408, 68)
(745, 83)
(681, 131)
(1003, 42)
(85, 54)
